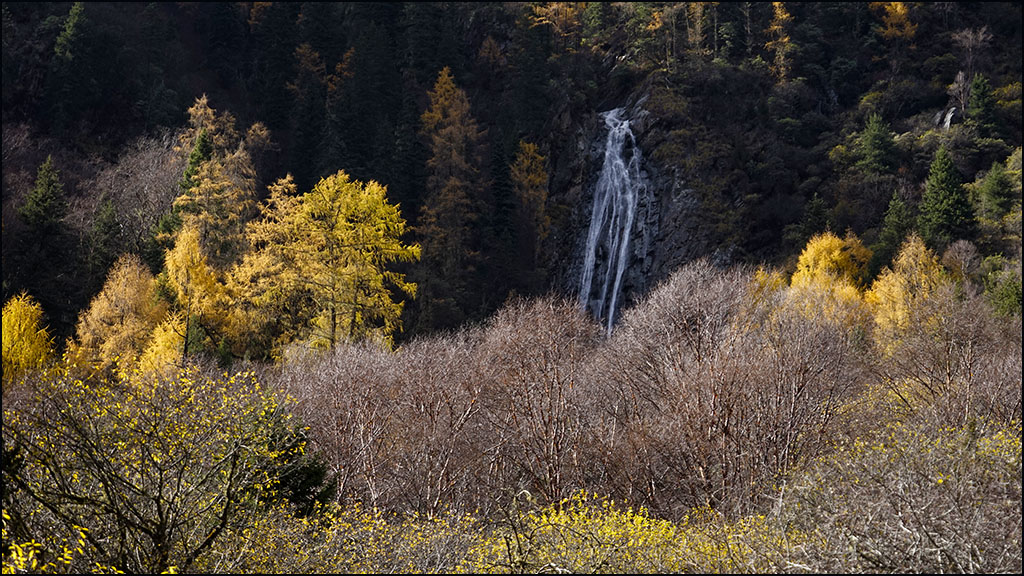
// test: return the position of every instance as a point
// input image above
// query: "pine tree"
(47, 263)
(201, 152)
(68, 77)
(996, 192)
(273, 33)
(981, 106)
(45, 205)
(898, 223)
(104, 240)
(813, 221)
(430, 39)
(309, 110)
(946, 213)
(876, 147)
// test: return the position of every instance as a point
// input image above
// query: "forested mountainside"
(760, 125)
(512, 287)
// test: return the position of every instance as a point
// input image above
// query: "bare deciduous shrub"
(662, 346)
(142, 185)
(714, 394)
(439, 459)
(912, 499)
(957, 362)
(458, 420)
(341, 397)
(535, 399)
(718, 398)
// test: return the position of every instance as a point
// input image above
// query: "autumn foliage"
(721, 428)
(26, 344)
(345, 340)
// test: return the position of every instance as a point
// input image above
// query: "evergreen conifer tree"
(996, 192)
(201, 152)
(946, 213)
(876, 147)
(47, 263)
(898, 223)
(45, 205)
(981, 106)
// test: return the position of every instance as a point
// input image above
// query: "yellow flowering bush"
(152, 471)
(588, 534)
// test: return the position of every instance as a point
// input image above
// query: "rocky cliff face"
(666, 230)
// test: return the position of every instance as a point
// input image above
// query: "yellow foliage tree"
(897, 31)
(150, 472)
(220, 128)
(828, 276)
(334, 244)
(120, 319)
(896, 22)
(219, 185)
(218, 206)
(268, 313)
(456, 198)
(270, 309)
(26, 343)
(780, 41)
(827, 256)
(201, 297)
(165, 351)
(530, 183)
(900, 292)
(565, 18)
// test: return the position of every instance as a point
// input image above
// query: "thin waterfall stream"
(616, 195)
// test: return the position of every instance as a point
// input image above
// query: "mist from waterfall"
(616, 195)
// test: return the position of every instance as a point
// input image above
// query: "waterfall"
(949, 118)
(618, 189)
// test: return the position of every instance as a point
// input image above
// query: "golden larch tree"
(120, 320)
(828, 278)
(899, 293)
(335, 245)
(455, 198)
(26, 342)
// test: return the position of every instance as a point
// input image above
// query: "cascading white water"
(618, 190)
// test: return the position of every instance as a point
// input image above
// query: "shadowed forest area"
(293, 287)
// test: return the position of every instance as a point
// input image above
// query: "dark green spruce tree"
(46, 266)
(981, 106)
(898, 223)
(876, 147)
(996, 192)
(946, 212)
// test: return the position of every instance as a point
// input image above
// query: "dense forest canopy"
(784, 119)
(374, 212)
